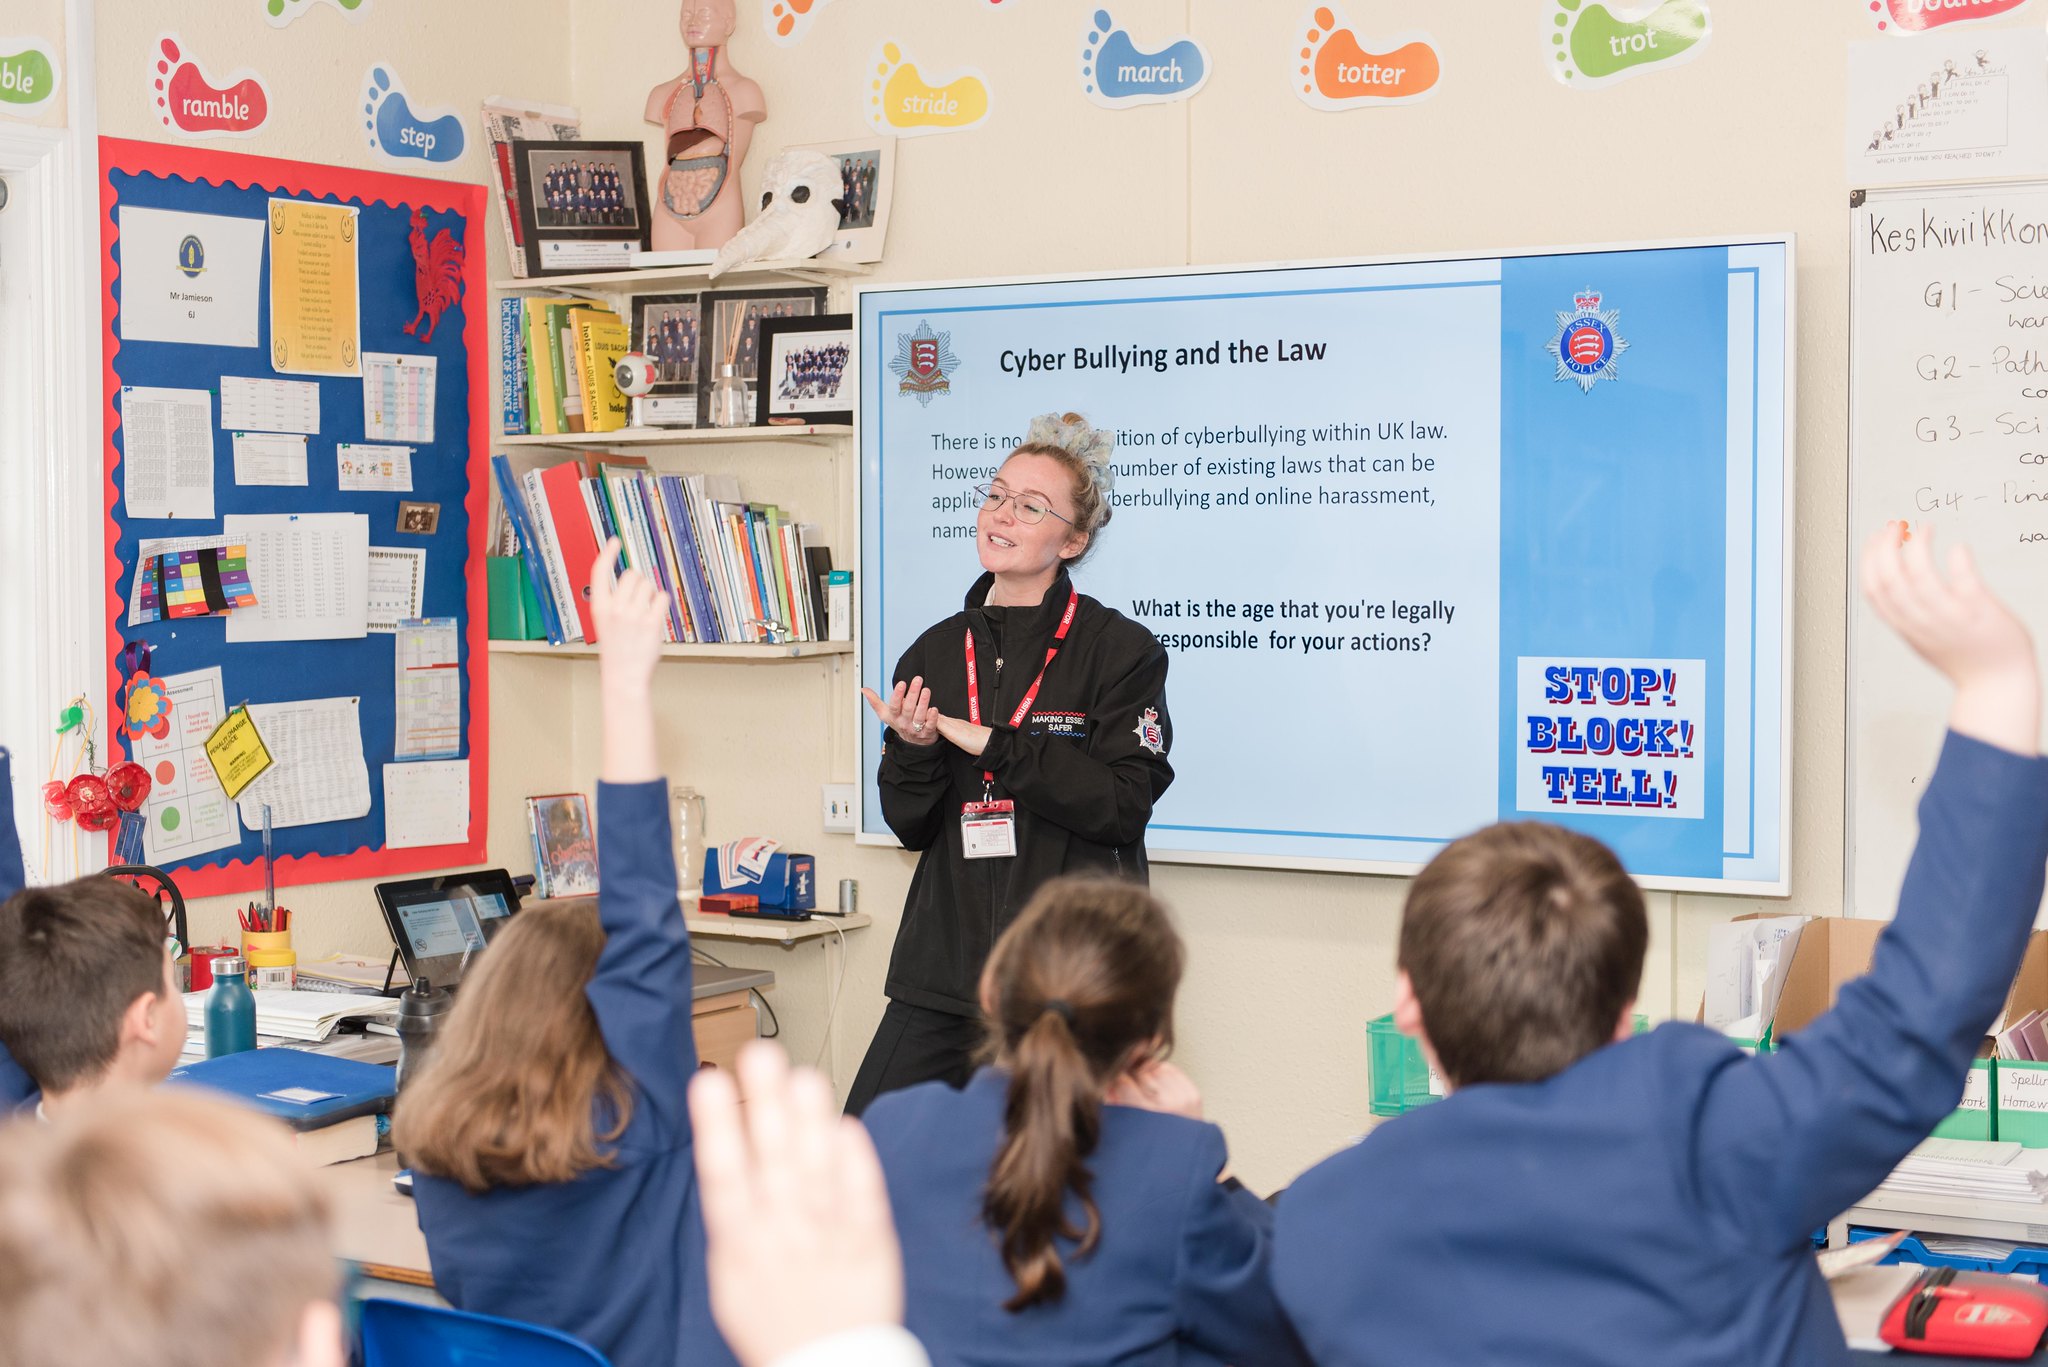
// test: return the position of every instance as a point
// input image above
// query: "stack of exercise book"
(735, 572)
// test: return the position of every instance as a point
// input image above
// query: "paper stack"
(303, 1016)
(1969, 1169)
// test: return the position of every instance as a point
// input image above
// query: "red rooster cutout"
(437, 273)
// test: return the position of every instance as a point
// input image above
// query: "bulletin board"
(449, 470)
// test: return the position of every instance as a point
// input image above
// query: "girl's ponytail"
(1081, 990)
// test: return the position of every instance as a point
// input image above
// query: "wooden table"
(378, 1229)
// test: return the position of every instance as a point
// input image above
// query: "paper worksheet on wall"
(189, 278)
(186, 814)
(319, 775)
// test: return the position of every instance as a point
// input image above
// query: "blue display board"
(1431, 543)
(449, 471)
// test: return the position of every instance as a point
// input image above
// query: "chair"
(402, 1334)
(158, 885)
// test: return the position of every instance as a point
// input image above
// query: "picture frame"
(806, 371)
(869, 166)
(418, 519)
(668, 330)
(731, 322)
(582, 205)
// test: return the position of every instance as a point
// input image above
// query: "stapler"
(1967, 1314)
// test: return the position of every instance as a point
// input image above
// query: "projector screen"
(1431, 544)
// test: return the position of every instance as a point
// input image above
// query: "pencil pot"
(272, 961)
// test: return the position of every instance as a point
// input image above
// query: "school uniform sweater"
(1654, 1201)
(616, 1256)
(1180, 1275)
(1084, 767)
(18, 1090)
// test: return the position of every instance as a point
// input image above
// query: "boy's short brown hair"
(73, 957)
(1524, 943)
(157, 1228)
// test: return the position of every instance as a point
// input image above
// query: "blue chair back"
(402, 1334)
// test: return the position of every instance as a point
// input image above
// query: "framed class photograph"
(668, 329)
(806, 366)
(867, 175)
(732, 322)
(582, 205)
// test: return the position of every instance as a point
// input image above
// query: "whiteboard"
(1431, 542)
(1948, 400)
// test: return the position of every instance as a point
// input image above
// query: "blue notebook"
(305, 1090)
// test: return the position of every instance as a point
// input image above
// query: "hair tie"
(1060, 1009)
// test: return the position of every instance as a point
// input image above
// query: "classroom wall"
(44, 20)
(1285, 968)
(452, 52)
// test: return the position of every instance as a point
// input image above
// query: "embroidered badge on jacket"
(1150, 734)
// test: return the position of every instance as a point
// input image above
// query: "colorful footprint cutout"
(1590, 46)
(787, 21)
(1116, 73)
(1905, 18)
(282, 12)
(400, 132)
(903, 102)
(28, 76)
(1336, 71)
(200, 107)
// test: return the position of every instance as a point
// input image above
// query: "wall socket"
(838, 808)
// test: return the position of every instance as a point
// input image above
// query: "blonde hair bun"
(1072, 433)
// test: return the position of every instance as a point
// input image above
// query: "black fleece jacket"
(1084, 769)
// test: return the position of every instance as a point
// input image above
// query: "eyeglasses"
(1028, 509)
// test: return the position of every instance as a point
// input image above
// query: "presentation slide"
(1431, 544)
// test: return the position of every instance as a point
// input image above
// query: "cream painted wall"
(42, 19)
(1287, 967)
(452, 52)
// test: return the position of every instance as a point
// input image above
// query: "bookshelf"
(668, 279)
(736, 653)
(815, 433)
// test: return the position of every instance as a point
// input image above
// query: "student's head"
(509, 1096)
(1521, 951)
(1053, 473)
(1077, 992)
(88, 992)
(163, 1229)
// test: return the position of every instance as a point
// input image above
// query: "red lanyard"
(1031, 693)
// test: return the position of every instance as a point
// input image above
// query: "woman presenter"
(1027, 738)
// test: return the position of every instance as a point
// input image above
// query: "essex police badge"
(1150, 734)
(922, 359)
(1586, 346)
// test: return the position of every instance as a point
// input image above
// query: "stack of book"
(555, 365)
(735, 572)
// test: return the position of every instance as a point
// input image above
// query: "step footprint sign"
(401, 132)
(1589, 45)
(1119, 71)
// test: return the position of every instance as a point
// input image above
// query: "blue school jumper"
(1181, 1273)
(17, 1089)
(1653, 1202)
(616, 1256)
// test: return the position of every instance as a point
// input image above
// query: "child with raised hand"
(549, 1129)
(1585, 1197)
(1070, 1205)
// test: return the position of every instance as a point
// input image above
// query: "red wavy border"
(367, 188)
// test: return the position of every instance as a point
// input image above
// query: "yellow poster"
(237, 752)
(313, 310)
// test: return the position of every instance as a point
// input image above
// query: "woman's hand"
(965, 734)
(1157, 1086)
(907, 711)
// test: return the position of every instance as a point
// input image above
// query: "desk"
(378, 1229)
(788, 934)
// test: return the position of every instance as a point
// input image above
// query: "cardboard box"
(1834, 950)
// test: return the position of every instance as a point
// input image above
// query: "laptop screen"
(438, 923)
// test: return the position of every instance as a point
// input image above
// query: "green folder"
(514, 610)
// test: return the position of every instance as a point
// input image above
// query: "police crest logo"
(923, 359)
(1149, 732)
(1586, 345)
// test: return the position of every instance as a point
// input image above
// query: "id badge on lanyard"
(988, 828)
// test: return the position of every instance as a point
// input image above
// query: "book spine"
(793, 576)
(540, 417)
(575, 539)
(575, 417)
(765, 522)
(551, 336)
(530, 553)
(511, 367)
(559, 593)
(658, 533)
(741, 524)
(709, 525)
(676, 495)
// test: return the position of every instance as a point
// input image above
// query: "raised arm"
(1789, 1140)
(641, 990)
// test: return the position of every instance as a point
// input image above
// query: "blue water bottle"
(230, 1009)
